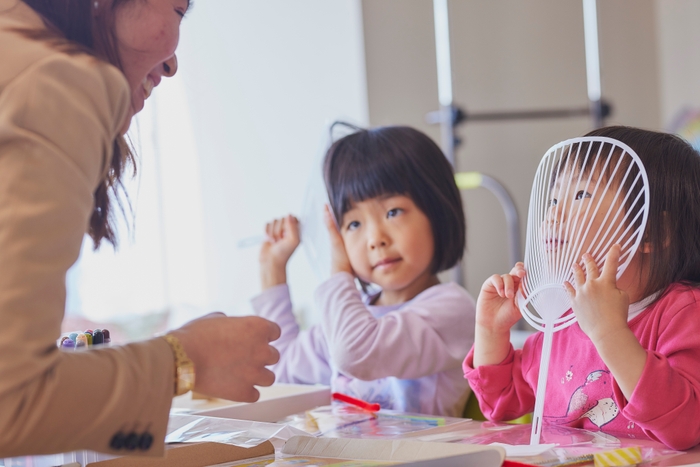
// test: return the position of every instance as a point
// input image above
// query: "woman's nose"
(170, 67)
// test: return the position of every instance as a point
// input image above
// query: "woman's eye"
(353, 225)
(582, 194)
(552, 202)
(394, 212)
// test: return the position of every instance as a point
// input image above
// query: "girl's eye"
(582, 194)
(180, 13)
(353, 225)
(552, 202)
(394, 212)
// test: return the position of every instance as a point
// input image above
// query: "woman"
(73, 74)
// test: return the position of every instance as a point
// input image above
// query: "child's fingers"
(277, 229)
(291, 228)
(579, 278)
(508, 286)
(571, 292)
(612, 261)
(496, 283)
(330, 224)
(592, 271)
(518, 270)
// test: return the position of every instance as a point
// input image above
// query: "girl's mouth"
(553, 243)
(385, 263)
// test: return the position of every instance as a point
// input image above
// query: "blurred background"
(236, 137)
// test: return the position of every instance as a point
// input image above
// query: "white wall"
(679, 53)
(263, 79)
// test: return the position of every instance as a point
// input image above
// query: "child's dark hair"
(399, 160)
(673, 225)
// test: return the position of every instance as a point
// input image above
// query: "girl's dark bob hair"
(399, 160)
(673, 226)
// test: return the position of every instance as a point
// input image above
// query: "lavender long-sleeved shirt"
(405, 357)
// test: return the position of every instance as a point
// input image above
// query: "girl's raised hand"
(600, 307)
(339, 256)
(496, 308)
(282, 240)
(496, 313)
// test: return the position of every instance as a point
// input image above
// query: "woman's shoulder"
(26, 49)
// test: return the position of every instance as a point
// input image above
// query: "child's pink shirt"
(581, 392)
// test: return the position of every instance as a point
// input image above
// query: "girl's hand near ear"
(339, 256)
(282, 240)
(601, 310)
(600, 307)
(496, 312)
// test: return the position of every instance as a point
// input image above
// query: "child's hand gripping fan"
(588, 195)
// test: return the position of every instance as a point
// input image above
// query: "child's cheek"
(358, 261)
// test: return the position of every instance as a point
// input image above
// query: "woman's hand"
(230, 354)
(600, 307)
(282, 240)
(496, 312)
(339, 257)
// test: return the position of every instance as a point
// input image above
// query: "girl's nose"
(170, 67)
(377, 239)
(554, 215)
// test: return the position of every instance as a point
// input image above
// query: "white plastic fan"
(588, 194)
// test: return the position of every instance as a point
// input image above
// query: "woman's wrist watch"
(184, 368)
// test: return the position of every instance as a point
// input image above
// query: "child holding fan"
(630, 365)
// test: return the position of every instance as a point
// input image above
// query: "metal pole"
(590, 31)
(441, 18)
(444, 75)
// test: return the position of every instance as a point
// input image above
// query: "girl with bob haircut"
(396, 221)
(629, 365)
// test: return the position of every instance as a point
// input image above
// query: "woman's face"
(147, 33)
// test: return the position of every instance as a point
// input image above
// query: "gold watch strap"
(184, 367)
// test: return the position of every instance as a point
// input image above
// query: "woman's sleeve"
(57, 122)
(501, 389)
(666, 401)
(429, 335)
(303, 354)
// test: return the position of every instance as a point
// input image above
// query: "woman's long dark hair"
(86, 26)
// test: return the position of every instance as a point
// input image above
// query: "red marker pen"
(356, 402)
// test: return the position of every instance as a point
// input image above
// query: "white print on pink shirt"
(592, 400)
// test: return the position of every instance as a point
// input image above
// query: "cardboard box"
(275, 403)
(401, 452)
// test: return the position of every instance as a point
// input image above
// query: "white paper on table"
(524, 450)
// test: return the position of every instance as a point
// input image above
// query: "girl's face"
(389, 242)
(581, 213)
(147, 34)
